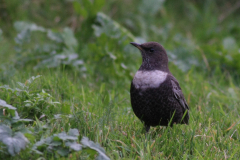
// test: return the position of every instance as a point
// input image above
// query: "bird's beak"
(137, 45)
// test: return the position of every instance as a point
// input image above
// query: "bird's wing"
(180, 97)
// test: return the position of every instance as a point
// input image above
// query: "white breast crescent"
(149, 79)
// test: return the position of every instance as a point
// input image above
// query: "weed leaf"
(5, 105)
(14, 142)
(102, 156)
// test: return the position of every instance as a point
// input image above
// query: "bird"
(156, 96)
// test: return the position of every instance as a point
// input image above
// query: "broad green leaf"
(21, 120)
(64, 58)
(102, 156)
(22, 85)
(56, 143)
(73, 132)
(88, 6)
(8, 107)
(56, 138)
(23, 37)
(97, 5)
(4, 130)
(230, 45)
(5, 105)
(150, 7)
(73, 145)
(232, 93)
(16, 117)
(63, 151)
(6, 87)
(39, 144)
(63, 136)
(91, 152)
(20, 26)
(54, 36)
(15, 143)
(80, 9)
(30, 80)
(110, 27)
(57, 116)
(69, 39)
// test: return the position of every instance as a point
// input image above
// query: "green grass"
(96, 100)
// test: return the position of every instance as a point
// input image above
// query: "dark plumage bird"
(156, 96)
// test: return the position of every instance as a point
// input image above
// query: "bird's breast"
(149, 79)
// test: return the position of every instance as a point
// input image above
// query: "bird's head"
(154, 56)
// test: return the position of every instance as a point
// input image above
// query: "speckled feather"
(156, 96)
(155, 106)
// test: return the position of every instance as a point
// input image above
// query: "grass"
(97, 101)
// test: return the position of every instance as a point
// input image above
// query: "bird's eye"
(151, 50)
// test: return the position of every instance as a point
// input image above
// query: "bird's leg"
(147, 127)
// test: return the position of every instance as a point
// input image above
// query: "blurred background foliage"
(81, 48)
(190, 30)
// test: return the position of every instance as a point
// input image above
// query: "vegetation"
(66, 68)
